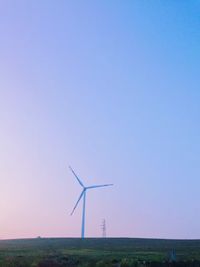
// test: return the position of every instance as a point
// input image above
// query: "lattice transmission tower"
(103, 228)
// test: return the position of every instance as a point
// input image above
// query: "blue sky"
(111, 88)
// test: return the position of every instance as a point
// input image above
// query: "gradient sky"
(111, 88)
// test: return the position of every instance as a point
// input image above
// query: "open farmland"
(55, 252)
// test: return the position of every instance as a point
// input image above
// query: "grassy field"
(44, 252)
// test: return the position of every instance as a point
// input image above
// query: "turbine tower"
(83, 195)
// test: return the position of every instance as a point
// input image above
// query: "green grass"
(30, 252)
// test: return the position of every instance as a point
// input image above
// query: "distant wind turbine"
(83, 194)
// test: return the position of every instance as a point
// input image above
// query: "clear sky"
(111, 88)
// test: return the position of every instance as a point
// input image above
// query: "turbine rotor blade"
(96, 186)
(78, 201)
(76, 177)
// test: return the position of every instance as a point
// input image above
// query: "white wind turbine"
(83, 194)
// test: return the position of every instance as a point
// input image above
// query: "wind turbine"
(83, 195)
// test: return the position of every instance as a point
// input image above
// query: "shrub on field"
(103, 263)
(128, 263)
(86, 264)
(49, 263)
(58, 262)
